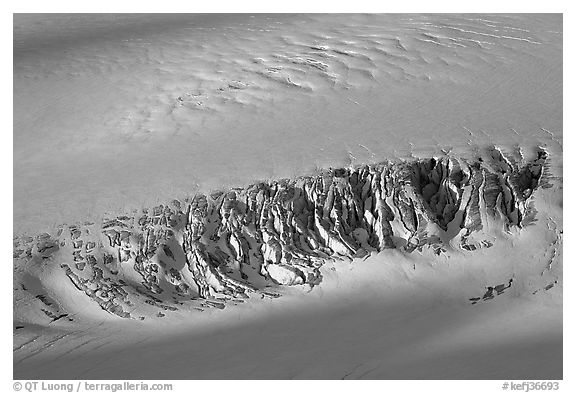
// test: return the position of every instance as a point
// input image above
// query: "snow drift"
(288, 196)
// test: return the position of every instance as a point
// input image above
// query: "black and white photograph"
(287, 196)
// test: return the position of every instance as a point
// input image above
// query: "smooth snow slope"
(117, 112)
(113, 113)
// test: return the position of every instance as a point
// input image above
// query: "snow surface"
(113, 113)
(99, 125)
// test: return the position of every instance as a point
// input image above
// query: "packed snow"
(120, 117)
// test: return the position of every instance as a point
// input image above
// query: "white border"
(281, 7)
